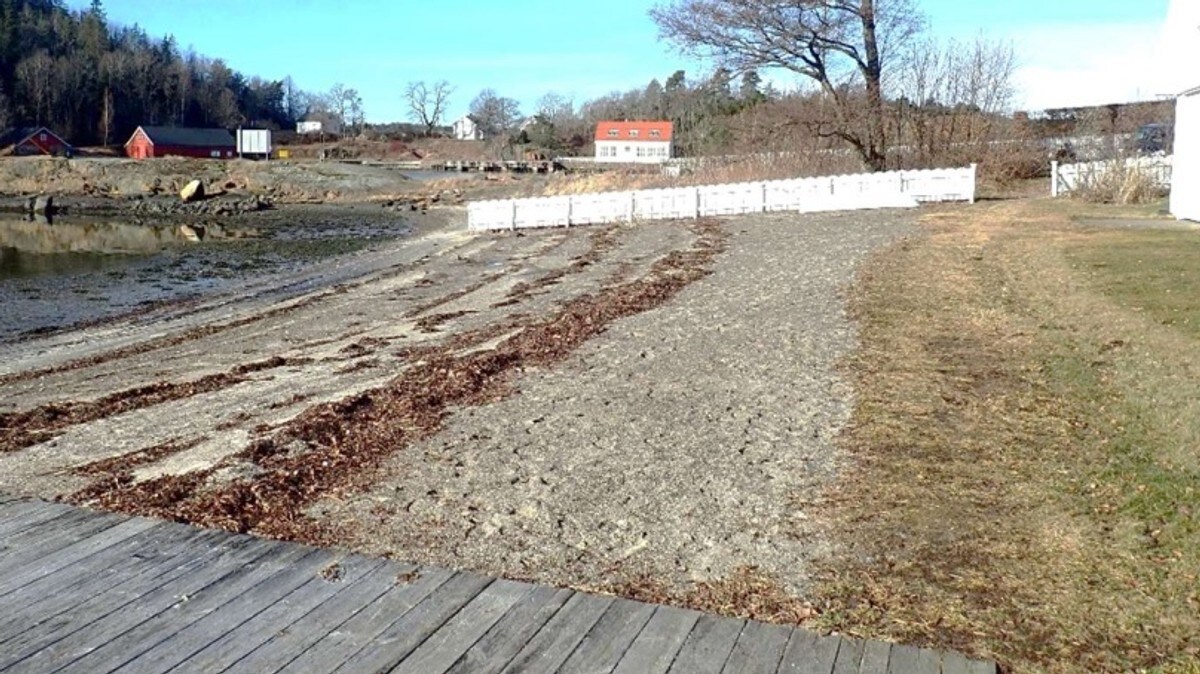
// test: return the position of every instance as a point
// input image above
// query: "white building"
(1185, 173)
(633, 142)
(467, 128)
(1179, 51)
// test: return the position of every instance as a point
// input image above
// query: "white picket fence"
(1066, 178)
(895, 189)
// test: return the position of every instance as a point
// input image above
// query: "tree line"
(858, 76)
(95, 82)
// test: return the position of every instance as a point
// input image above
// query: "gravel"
(682, 444)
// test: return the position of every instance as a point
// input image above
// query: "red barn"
(162, 141)
(34, 140)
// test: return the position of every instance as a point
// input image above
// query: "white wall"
(1185, 183)
(632, 151)
(1178, 50)
(899, 189)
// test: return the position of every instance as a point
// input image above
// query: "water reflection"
(37, 246)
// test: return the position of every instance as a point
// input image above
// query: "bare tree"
(428, 102)
(35, 77)
(954, 99)
(346, 105)
(496, 114)
(843, 46)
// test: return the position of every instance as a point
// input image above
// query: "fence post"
(630, 207)
(512, 223)
(570, 208)
(762, 190)
(1054, 178)
(974, 176)
(696, 202)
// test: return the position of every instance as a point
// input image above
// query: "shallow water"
(58, 274)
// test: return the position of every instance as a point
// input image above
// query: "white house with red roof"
(633, 142)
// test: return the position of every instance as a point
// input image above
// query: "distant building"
(1185, 172)
(34, 140)
(162, 141)
(467, 128)
(309, 127)
(633, 142)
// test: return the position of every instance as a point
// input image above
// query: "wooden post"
(629, 208)
(762, 206)
(974, 173)
(696, 200)
(512, 224)
(570, 209)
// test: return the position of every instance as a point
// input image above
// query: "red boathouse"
(162, 141)
(34, 140)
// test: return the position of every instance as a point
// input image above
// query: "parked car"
(1153, 139)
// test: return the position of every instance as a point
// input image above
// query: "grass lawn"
(1025, 482)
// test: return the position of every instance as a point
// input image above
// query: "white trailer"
(1185, 181)
(255, 142)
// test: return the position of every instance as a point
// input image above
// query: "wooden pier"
(82, 591)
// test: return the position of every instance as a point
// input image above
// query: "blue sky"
(1070, 51)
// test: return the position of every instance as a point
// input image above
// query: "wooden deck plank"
(504, 640)
(876, 655)
(76, 577)
(369, 626)
(80, 550)
(708, 647)
(399, 639)
(150, 562)
(441, 650)
(14, 507)
(908, 660)
(172, 626)
(759, 649)
(99, 593)
(108, 615)
(281, 615)
(809, 653)
(16, 514)
(849, 656)
(558, 638)
(660, 640)
(299, 637)
(60, 526)
(24, 516)
(605, 644)
(956, 663)
(46, 534)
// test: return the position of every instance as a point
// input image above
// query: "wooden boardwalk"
(82, 591)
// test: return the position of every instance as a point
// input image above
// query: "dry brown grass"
(1016, 489)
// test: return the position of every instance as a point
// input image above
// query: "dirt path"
(584, 407)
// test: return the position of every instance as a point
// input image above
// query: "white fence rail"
(1066, 178)
(895, 189)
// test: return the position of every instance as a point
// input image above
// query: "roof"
(634, 131)
(15, 136)
(1191, 92)
(182, 136)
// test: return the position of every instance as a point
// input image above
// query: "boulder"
(43, 205)
(192, 191)
(190, 233)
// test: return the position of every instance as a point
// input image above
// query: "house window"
(655, 133)
(43, 138)
(633, 133)
(641, 152)
(613, 133)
